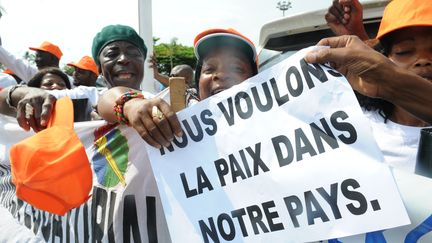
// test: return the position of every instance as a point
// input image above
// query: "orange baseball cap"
(86, 63)
(205, 40)
(405, 13)
(48, 47)
(51, 170)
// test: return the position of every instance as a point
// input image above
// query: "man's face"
(122, 64)
(44, 59)
(84, 77)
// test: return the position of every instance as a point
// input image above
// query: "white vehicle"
(282, 37)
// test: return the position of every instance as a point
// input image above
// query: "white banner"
(284, 156)
(124, 208)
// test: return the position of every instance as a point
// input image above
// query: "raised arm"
(345, 17)
(22, 69)
(153, 118)
(374, 75)
(158, 76)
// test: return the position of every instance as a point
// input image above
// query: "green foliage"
(68, 70)
(2, 11)
(30, 57)
(171, 54)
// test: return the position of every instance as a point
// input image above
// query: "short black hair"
(37, 79)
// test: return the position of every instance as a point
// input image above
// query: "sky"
(73, 24)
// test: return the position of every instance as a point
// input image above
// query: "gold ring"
(157, 113)
(29, 110)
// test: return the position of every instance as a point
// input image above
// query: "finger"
(142, 131)
(36, 116)
(347, 9)
(165, 128)
(47, 108)
(149, 130)
(356, 6)
(32, 123)
(325, 55)
(334, 42)
(333, 15)
(331, 19)
(318, 56)
(346, 17)
(154, 131)
(22, 121)
(346, 2)
(337, 10)
(171, 116)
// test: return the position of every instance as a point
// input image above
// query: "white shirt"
(398, 143)
(21, 68)
(6, 80)
(80, 92)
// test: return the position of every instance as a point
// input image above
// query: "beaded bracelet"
(118, 107)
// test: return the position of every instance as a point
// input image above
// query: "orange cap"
(48, 47)
(51, 170)
(405, 13)
(204, 40)
(86, 63)
(8, 71)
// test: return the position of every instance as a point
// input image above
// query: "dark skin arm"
(158, 76)
(374, 75)
(41, 101)
(156, 132)
(345, 17)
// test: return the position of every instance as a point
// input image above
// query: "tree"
(172, 54)
(2, 11)
(68, 70)
(30, 57)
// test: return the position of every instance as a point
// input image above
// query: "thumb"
(318, 56)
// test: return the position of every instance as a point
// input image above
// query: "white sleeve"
(21, 68)
(80, 92)
(6, 80)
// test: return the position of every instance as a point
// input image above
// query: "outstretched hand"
(363, 66)
(34, 110)
(156, 129)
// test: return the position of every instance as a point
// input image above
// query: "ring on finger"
(29, 110)
(157, 113)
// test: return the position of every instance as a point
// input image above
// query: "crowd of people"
(393, 84)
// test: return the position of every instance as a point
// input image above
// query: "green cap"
(112, 33)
